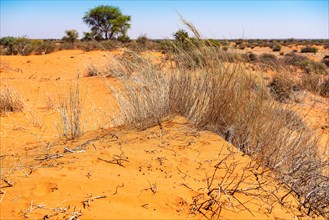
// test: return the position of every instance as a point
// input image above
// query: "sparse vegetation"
(70, 110)
(25, 46)
(257, 102)
(217, 97)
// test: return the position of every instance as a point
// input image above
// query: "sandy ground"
(112, 173)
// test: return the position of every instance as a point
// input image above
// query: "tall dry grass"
(225, 98)
(70, 109)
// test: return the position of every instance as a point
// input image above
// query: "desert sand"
(111, 172)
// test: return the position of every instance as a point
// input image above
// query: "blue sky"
(160, 19)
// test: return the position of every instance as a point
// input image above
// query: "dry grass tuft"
(10, 100)
(324, 88)
(282, 86)
(70, 110)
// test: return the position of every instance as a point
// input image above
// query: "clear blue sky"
(159, 19)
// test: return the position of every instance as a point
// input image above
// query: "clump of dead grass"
(221, 96)
(10, 100)
(70, 110)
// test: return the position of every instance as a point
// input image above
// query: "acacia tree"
(107, 21)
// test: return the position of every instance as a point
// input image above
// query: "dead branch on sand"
(86, 202)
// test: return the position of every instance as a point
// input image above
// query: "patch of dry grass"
(70, 110)
(10, 100)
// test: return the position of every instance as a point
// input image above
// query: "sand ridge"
(130, 174)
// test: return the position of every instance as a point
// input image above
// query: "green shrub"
(42, 46)
(311, 66)
(123, 39)
(66, 46)
(25, 46)
(71, 36)
(309, 49)
(9, 44)
(276, 47)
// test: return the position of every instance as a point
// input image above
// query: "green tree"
(71, 36)
(107, 21)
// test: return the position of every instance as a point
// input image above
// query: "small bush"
(66, 46)
(311, 82)
(324, 89)
(10, 100)
(242, 46)
(325, 60)
(71, 36)
(123, 39)
(309, 49)
(268, 60)
(276, 47)
(225, 48)
(252, 57)
(291, 119)
(88, 45)
(142, 40)
(42, 46)
(282, 87)
(311, 66)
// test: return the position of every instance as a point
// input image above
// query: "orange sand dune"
(118, 173)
